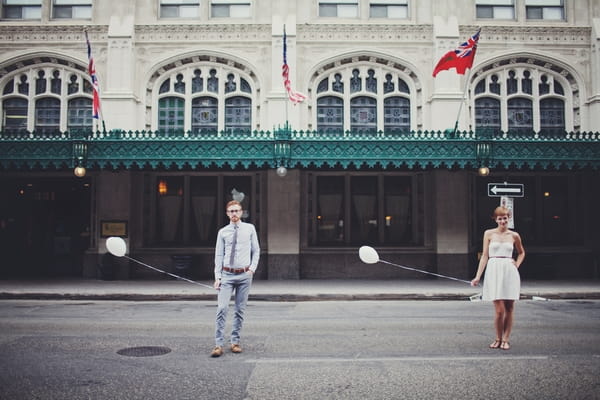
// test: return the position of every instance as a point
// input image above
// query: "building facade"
(194, 113)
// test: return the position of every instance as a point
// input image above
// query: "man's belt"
(236, 270)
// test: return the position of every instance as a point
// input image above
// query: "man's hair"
(233, 203)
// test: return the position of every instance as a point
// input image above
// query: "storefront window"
(374, 209)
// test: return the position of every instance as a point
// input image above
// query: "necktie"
(233, 244)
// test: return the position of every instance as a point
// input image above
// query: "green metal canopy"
(299, 149)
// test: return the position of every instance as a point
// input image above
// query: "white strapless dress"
(502, 280)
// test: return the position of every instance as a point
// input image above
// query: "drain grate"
(144, 351)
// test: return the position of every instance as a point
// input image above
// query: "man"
(236, 259)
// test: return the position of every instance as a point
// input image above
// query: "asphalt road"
(302, 350)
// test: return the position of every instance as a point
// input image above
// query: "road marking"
(391, 359)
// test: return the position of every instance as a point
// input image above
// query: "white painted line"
(391, 359)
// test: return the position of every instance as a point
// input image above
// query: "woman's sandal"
(496, 345)
(505, 345)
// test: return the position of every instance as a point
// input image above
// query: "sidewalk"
(287, 290)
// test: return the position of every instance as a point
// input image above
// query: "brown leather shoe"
(235, 348)
(217, 352)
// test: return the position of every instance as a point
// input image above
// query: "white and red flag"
(295, 97)
(461, 58)
(95, 85)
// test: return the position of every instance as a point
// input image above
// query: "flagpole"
(462, 100)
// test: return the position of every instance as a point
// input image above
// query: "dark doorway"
(44, 226)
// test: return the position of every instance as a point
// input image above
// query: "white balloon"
(368, 255)
(116, 246)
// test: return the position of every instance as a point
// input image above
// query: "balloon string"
(168, 273)
(425, 272)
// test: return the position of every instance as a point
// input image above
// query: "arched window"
(47, 115)
(523, 95)
(205, 115)
(14, 118)
(487, 114)
(365, 96)
(170, 115)
(57, 95)
(330, 114)
(238, 114)
(520, 115)
(79, 114)
(396, 116)
(211, 98)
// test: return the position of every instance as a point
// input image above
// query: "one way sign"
(506, 189)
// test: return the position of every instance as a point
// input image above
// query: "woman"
(502, 283)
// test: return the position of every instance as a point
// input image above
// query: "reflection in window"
(169, 209)
(230, 8)
(14, 118)
(495, 9)
(205, 115)
(238, 114)
(364, 210)
(330, 114)
(188, 210)
(22, 9)
(79, 114)
(73, 9)
(520, 115)
(487, 114)
(363, 115)
(47, 115)
(553, 10)
(330, 209)
(170, 114)
(388, 9)
(338, 8)
(552, 115)
(396, 116)
(374, 209)
(179, 8)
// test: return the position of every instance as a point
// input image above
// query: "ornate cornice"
(226, 33)
(364, 32)
(534, 35)
(28, 34)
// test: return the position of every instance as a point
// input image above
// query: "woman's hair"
(500, 211)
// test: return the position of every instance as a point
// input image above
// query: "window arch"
(366, 97)
(524, 96)
(46, 98)
(204, 97)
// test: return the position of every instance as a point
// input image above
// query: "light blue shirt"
(247, 250)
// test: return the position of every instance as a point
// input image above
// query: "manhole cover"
(144, 351)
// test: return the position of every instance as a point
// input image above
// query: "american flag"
(95, 85)
(461, 58)
(295, 97)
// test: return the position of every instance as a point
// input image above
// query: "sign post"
(507, 192)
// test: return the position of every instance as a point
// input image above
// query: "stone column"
(119, 102)
(453, 219)
(448, 86)
(283, 225)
